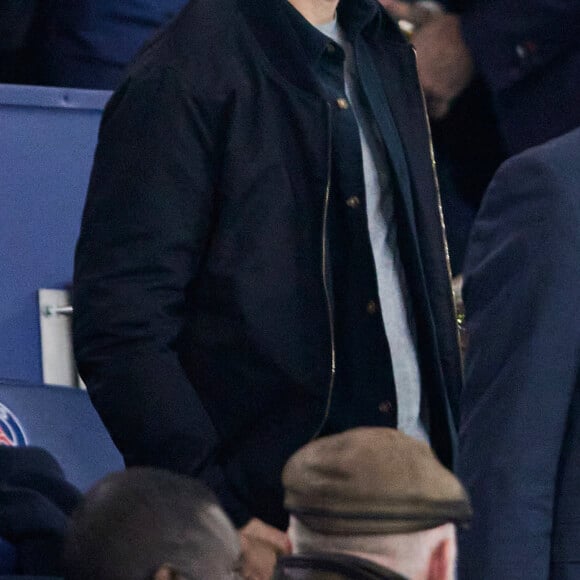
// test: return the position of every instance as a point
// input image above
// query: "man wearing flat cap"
(371, 503)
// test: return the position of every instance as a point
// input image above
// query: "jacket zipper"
(325, 276)
(439, 208)
(434, 169)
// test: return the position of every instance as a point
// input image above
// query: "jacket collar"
(354, 17)
(272, 25)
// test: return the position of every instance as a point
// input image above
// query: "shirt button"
(330, 48)
(342, 104)
(353, 201)
(385, 407)
(372, 307)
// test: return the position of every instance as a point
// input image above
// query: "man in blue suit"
(520, 408)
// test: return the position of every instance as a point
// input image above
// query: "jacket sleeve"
(145, 226)
(510, 39)
(522, 290)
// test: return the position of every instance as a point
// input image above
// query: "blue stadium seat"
(62, 421)
(47, 141)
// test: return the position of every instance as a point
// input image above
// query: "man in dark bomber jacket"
(227, 307)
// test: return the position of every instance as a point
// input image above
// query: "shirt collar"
(353, 17)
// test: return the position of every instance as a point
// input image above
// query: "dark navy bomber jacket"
(203, 319)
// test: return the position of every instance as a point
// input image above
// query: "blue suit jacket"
(520, 409)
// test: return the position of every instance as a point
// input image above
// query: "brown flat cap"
(372, 480)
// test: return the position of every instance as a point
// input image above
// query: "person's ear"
(167, 572)
(442, 562)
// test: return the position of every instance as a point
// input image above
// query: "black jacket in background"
(202, 322)
(35, 504)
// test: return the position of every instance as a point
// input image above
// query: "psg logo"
(11, 432)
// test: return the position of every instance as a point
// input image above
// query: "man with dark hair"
(261, 259)
(149, 524)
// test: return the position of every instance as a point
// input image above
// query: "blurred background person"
(371, 503)
(89, 43)
(499, 76)
(150, 524)
(520, 407)
(527, 53)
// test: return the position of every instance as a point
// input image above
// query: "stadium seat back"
(47, 141)
(63, 421)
